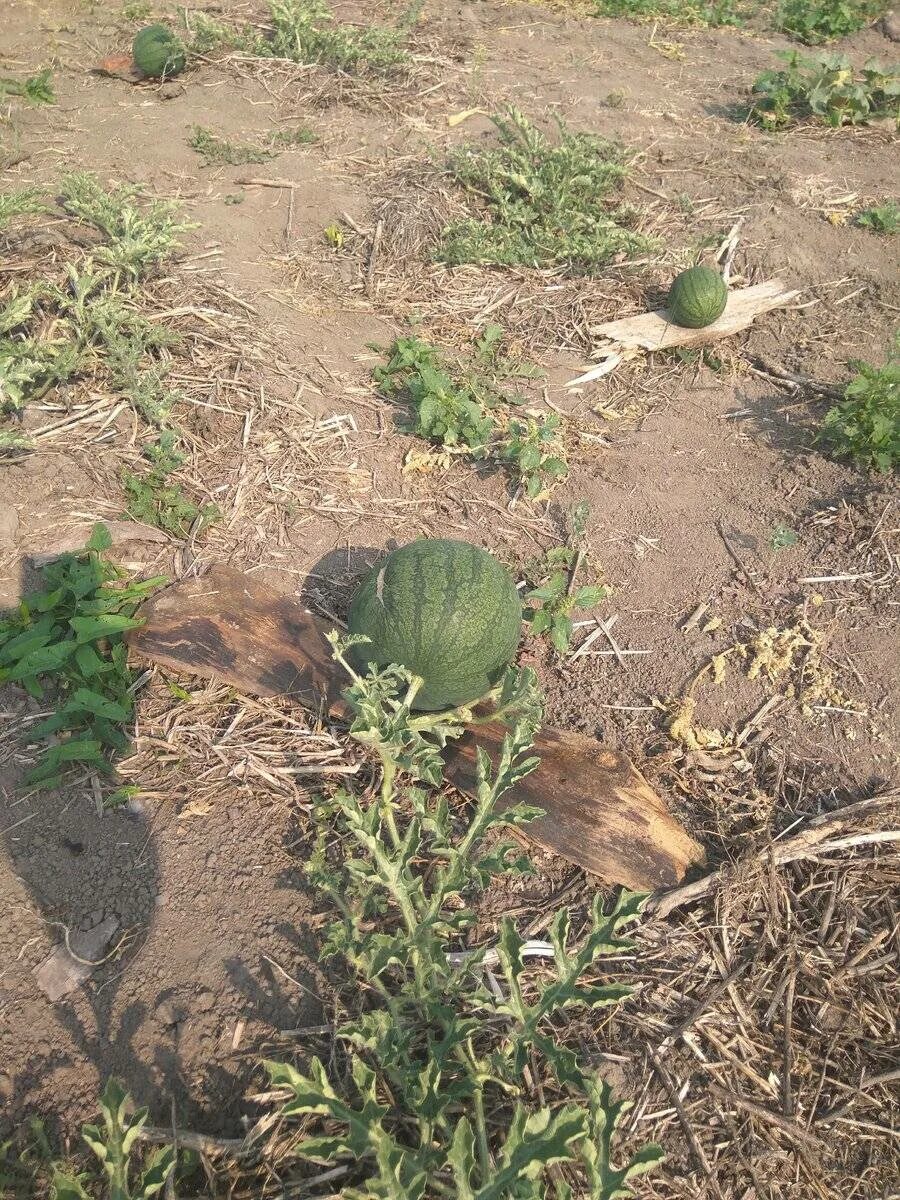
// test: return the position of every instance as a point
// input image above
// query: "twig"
(812, 840)
(693, 1141)
(789, 1128)
(373, 256)
(834, 1114)
(202, 1143)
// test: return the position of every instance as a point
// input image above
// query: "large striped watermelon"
(697, 297)
(445, 610)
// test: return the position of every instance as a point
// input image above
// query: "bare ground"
(758, 1042)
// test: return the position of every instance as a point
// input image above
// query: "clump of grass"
(818, 21)
(544, 203)
(865, 425)
(154, 500)
(37, 89)
(880, 218)
(68, 637)
(826, 87)
(219, 152)
(23, 202)
(305, 31)
(705, 13)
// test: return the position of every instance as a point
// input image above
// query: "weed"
(432, 1100)
(881, 218)
(114, 1143)
(219, 152)
(22, 203)
(683, 12)
(817, 21)
(155, 501)
(783, 537)
(552, 584)
(234, 198)
(445, 407)
(825, 86)
(305, 31)
(334, 235)
(865, 425)
(137, 10)
(37, 89)
(545, 204)
(301, 136)
(534, 452)
(70, 635)
(138, 238)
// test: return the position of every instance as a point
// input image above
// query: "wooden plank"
(601, 814)
(646, 332)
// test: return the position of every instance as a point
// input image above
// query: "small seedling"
(153, 500)
(817, 21)
(301, 136)
(882, 218)
(534, 452)
(543, 203)
(69, 637)
(115, 1143)
(334, 235)
(219, 152)
(865, 425)
(783, 537)
(826, 87)
(552, 580)
(37, 89)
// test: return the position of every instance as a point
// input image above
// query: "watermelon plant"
(158, 53)
(424, 1094)
(697, 297)
(711, 13)
(552, 597)
(542, 203)
(534, 452)
(36, 89)
(445, 610)
(880, 218)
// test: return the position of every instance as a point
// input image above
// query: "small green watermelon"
(445, 610)
(697, 297)
(157, 52)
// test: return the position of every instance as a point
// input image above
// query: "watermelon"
(158, 52)
(697, 297)
(445, 610)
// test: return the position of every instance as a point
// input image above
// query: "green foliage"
(25, 1161)
(219, 152)
(452, 404)
(447, 405)
(155, 501)
(300, 136)
(69, 635)
(711, 13)
(881, 218)
(305, 31)
(138, 237)
(432, 1101)
(534, 452)
(37, 89)
(23, 202)
(826, 87)
(783, 537)
(544, 204)
(552, 597)
(137, 10)
(865, 425)
(114, 1143)
(50, 332)
(817, 21)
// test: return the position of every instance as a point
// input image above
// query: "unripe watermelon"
(445, 610)
(697, 297)
(158, 52)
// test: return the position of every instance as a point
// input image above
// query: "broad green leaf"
(87, 629)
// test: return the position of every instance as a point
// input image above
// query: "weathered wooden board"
(600, 811)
